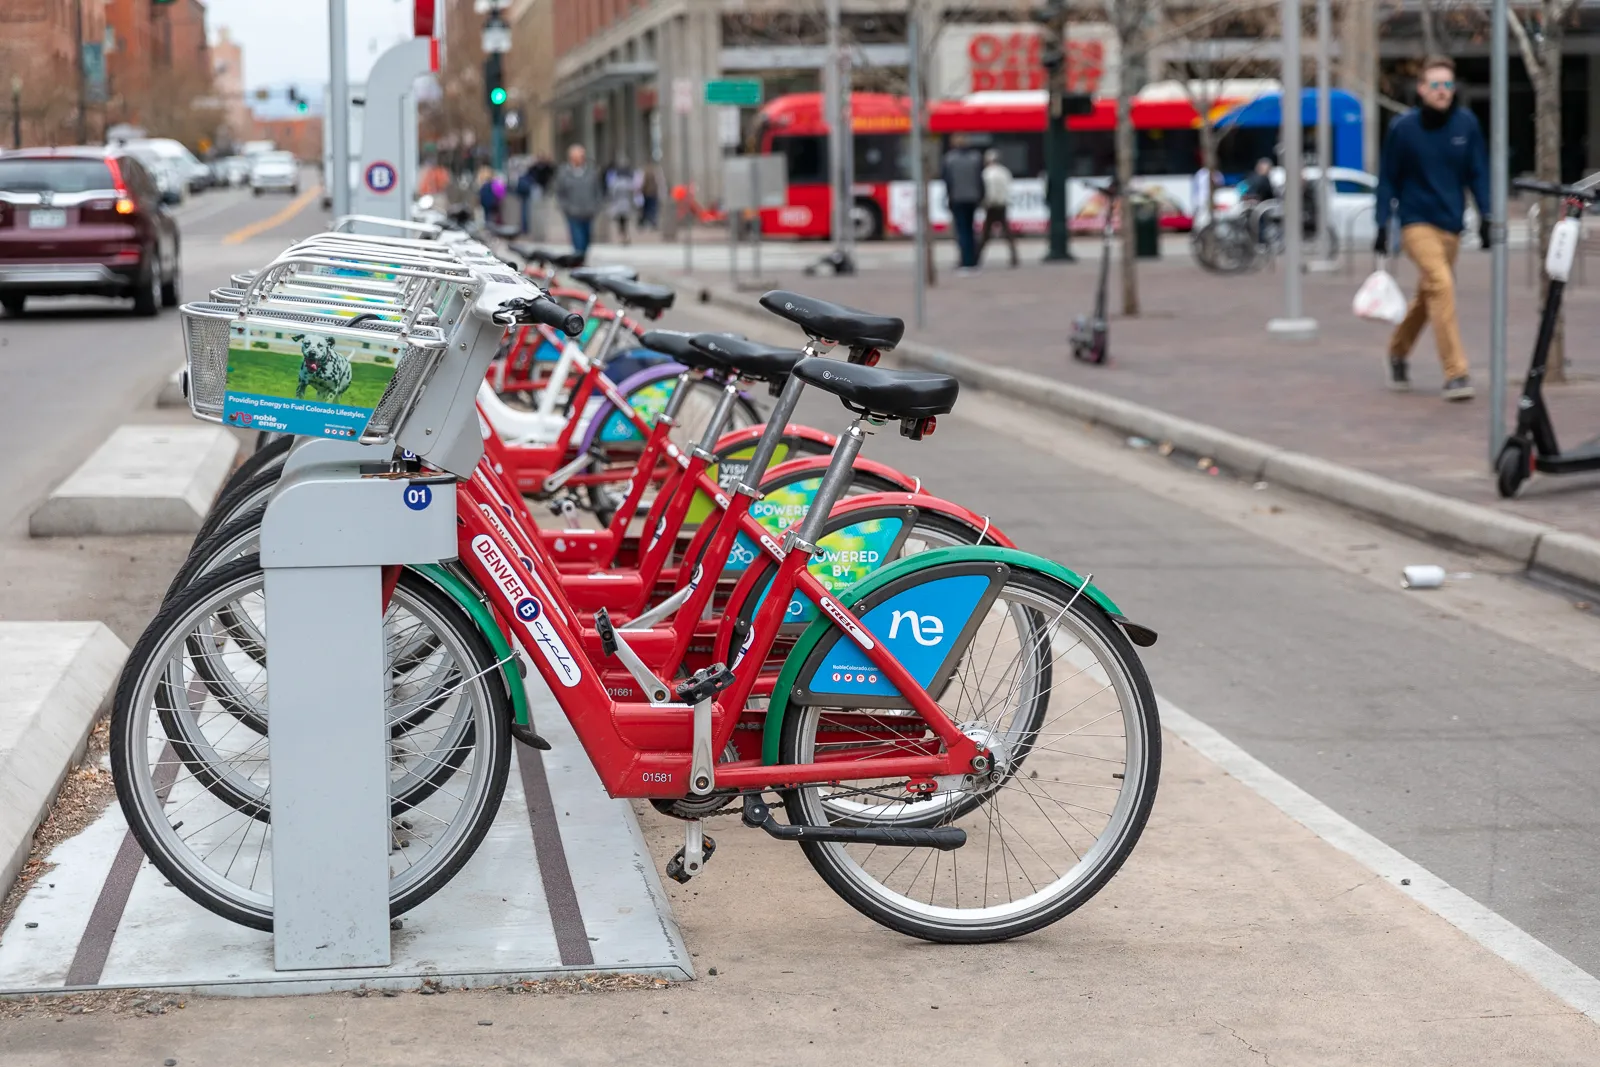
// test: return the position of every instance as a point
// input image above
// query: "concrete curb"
(142, 480)
(1569, 555)
(59, 678)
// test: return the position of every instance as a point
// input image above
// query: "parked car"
(85, 221)
(278, 171)
(196, 175)
(164, 170)
(231, 170)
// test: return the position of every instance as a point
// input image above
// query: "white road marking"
(1493, 931)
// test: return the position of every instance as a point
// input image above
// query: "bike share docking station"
(562, 881)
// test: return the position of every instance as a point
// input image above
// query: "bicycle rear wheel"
(1070, 791)
(194, 781)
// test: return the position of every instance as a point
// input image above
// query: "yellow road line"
(295, 206)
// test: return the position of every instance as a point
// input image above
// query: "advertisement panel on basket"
(309, 383)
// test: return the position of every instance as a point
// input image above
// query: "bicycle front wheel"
(1052, 687)
(193, 776)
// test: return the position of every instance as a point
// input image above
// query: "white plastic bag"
(1379, 298)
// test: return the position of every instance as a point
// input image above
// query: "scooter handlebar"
(1536, 185)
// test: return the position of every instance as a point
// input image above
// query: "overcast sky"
(286, 41)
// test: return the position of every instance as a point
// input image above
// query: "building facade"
(160, 69)
(42, 75)
(227, 76)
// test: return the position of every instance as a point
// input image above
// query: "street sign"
(750, 182)
(734, 92)
(682, 95)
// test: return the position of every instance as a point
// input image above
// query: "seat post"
(777, 422)
(603, 356)
(834, 483)
(669, 413)
(719, 419)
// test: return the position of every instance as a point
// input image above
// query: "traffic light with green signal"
(493, 81)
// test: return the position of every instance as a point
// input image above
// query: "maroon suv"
(84, 221)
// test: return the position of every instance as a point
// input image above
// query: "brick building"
(39, 65)
(160, 65)
(302, 136)
(227, 71)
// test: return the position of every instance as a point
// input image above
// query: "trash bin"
(1146, 228)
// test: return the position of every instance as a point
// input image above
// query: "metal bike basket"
(210, 328)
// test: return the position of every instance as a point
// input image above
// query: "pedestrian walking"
(578, 194)
(996, 199)
(528, 194)
(622, 191)
(1431, 156)
(962, 172)
(650, 199)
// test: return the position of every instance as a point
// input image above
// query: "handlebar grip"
(553, 314)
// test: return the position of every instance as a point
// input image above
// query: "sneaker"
(1459, 389)
(1399, 375)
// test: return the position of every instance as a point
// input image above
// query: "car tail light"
(125, 206)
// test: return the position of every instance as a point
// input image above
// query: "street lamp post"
(1293, 325)
(338, 117)
(16, 111)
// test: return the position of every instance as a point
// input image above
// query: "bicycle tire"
(848, 877)
(143, 798)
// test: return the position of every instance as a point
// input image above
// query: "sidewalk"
(1200, 351)
(1233, 937)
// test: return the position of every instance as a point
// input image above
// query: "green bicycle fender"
(462, 594)
(778, 705)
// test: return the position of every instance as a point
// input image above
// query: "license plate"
(47, 219)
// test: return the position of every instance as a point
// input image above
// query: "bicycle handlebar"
(539, 310)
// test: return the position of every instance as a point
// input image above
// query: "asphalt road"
(1443, 723)
(1458, 726)
(74, 368)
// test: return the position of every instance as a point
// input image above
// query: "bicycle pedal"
(705, 683)
(606, 631)
(675, 868)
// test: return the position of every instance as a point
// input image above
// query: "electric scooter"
(1090, 334)
(1532, 446)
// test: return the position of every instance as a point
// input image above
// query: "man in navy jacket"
(1432, 155)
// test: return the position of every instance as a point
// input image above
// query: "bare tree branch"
(1524, 44)
(1223, 11)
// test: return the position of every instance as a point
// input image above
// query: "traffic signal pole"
(496, 43)
(496, 98)
(1057, 140)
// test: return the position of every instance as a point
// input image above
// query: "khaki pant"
(1434, 252)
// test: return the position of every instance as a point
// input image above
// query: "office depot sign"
(1005, 57)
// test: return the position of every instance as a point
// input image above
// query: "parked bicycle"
(961, 736)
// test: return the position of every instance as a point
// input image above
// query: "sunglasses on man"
(1442, 85)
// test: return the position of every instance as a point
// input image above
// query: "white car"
(1352, 202)
(196, 175)
(277, 171)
